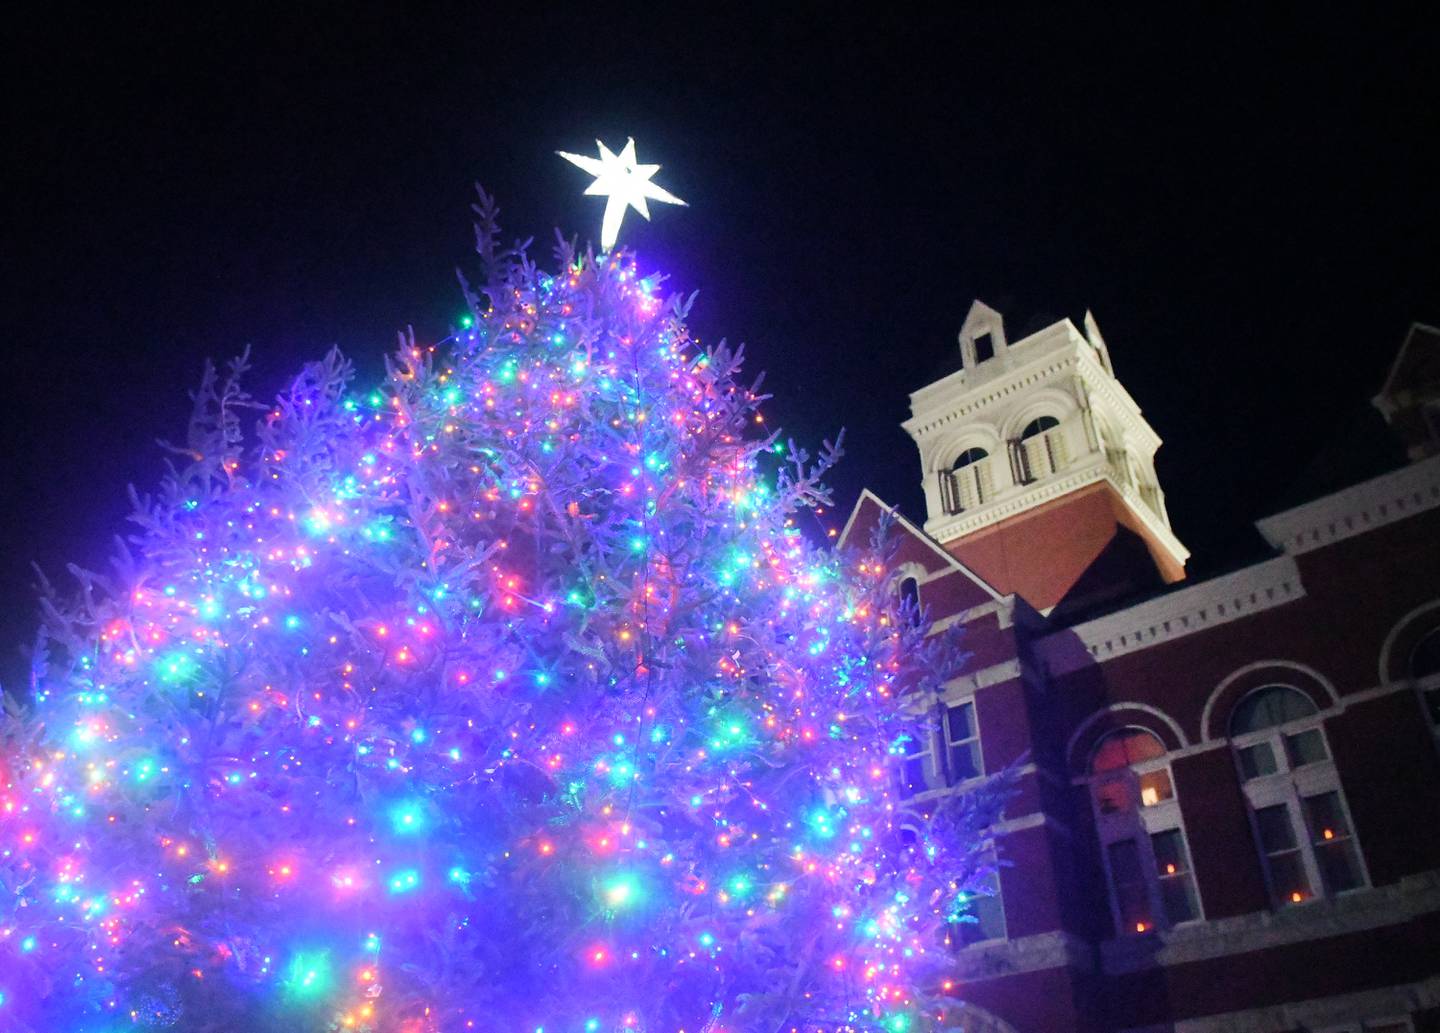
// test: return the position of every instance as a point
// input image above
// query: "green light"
(308, 974)
(317, 521)
(739, 885)
(405, 881)
(174, 668)
(621, 891)
(408, 817)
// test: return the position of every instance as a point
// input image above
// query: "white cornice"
(950, 527)
(1383, 500)
(1199, 607)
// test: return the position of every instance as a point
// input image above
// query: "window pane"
(1177, 894)
(1287, 875)
(960, 721)
(1325, 817)
(1268, 707)
(1276, 832)
(981, 916)
(1425, 658)
(1170, 857)
(1432, 705)
(1339, 867)
(1257, 760)
(1155, 788)
(912, 778)
(1305, 748)
(965, 761)
(1125, 747)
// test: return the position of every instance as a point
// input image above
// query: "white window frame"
(949, 744)
(1291, 786)
(989, 857)
(925, 741)
(1139, 824)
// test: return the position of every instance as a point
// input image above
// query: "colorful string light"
(506, 696)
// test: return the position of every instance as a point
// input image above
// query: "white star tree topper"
(624, 182)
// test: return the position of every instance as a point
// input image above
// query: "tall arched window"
(1041, 448)
(910, 598)
(1302, 825)
(968, 483)
(1425, 669)
(1142, 839)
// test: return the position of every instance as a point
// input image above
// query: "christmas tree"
(505, 696)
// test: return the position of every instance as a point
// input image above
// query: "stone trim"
(998, 958)
(1174, 615)
(1373, 504)
(1319, 1013)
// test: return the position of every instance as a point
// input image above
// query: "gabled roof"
(936, 562)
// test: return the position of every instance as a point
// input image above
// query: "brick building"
(1229, 809)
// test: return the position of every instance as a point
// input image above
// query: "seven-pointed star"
(624, 182)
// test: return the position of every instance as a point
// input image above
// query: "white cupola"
(1023, 425)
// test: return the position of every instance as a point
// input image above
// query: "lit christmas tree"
(507, 696)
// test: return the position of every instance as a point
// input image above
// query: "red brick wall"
(1217, 825)
(1391, 775)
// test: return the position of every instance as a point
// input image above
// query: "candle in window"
(1169, 869)
(1296, 897)
(1149, 796)
(1140, 927)
(1328, 834)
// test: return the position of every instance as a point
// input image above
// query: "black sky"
(1249, 207)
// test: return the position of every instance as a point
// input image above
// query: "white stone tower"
(1039, 470)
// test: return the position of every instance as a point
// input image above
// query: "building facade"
(1228, 816)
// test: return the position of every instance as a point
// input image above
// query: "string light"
(518, 665)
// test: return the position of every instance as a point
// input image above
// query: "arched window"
(910, 598)
(1041, 449)
(1038, 426)
(1425, 668)
(1273, 705)
(1142, 839)
(968, 482)
(1301, 823)
(1425, 657)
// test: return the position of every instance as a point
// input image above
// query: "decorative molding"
(1174, 615)
(1114, 708)
(998, 958)
(1365, 507)
(969, 683)
(1403, 624)
(1312, 676)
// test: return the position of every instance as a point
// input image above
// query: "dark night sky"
(1250, 208)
